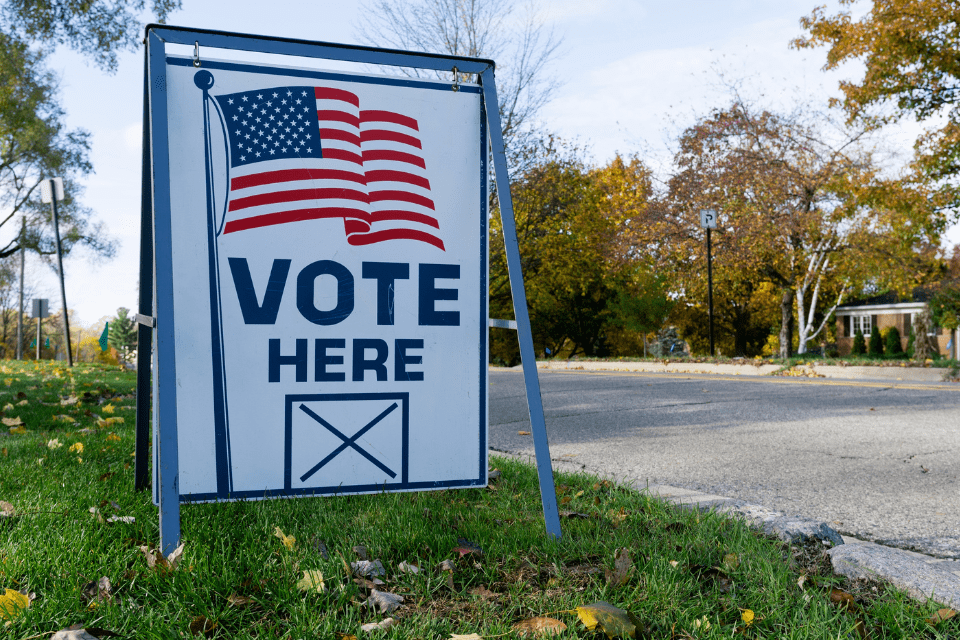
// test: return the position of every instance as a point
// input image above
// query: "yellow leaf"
(18, 431)
(12, 604)
(611, 620)
(76, 447)
(521, 433)
(12, 422)
(288, 541)
(113, 438)
(747, 616)
(311, 581)
(107, 408)
(8, 381)
(941, 615)
(23, 403)
(539, 627)
(8, 407)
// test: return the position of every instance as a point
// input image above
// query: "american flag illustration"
(306, 153)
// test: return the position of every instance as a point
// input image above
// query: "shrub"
(892, 343)
(876, 344)
(910, 341)
(859, 344)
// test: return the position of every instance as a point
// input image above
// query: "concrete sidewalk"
(748, 368)
(922, 576)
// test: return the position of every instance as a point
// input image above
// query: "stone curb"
(898, 374)
(920, 575)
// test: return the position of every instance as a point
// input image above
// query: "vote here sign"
(328, 241)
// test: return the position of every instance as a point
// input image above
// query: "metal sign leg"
(548, 494)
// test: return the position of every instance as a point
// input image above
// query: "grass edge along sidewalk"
(80, 545)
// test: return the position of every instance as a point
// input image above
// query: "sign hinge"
(503, 324)
(147, 321)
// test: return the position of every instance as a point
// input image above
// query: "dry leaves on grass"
(12, 604)
(386, 623)
(383, 601)
(941, 615)
(97, 591)
(6, 509)
(364, 568)
(156, 560)
(288, 541)
(612, 621)
(202, 625)
(622, 569)
(539, 627)
(312, 581)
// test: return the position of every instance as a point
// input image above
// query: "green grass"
(55, 546)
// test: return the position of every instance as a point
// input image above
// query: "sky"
(630, 74)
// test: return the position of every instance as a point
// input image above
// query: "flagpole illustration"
(204, 81)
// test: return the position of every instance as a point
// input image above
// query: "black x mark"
(347, 442)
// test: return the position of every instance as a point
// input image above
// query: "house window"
(862, 324)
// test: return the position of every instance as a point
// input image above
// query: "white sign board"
(46, 193)
(328, 240)
(708, 218)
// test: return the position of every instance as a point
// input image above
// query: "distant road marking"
(770, 379)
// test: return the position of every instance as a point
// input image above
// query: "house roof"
(919, 295)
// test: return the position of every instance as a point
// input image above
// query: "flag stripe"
(292, 175)
(294, 195)
(338, 116)
(329, 93)
(298, 215)
(394, 214)
(392, 136)
(387, 175)
(343, 154)
(400, 196)
(387, 154)
(394, 234)
(388, 116)
(338, 134)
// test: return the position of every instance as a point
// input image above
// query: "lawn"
(464, 562)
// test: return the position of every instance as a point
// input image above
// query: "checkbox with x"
(345, 440)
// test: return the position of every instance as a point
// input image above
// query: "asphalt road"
(879, 461)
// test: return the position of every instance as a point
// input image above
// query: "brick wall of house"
(882, 321)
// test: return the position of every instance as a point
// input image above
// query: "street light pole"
(55, 186)
(23, 234)
(708, 220)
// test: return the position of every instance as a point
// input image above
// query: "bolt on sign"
(320, 262)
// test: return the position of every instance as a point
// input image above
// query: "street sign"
(319, 241)
(708, 218)
(40, 308)
(46, 192)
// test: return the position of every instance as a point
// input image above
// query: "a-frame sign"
(314, 274)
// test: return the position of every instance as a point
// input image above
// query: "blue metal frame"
(156, 38)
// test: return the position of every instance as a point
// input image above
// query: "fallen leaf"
(523, 433)
(368, 568)
(6, 509)
(843, 598)
(731, 561)
(574, 514)
(123, 519)
(12, 604)
(18, 431)
(288, 541)
(941, 615)
(469, 636)
(66, 402)
(23, 403)
(8, 407)
(406, 567)
(483, 593)
(622, 569)
(611, 620)
(493, 474)
(674, 564)
(107, 408)
(448, 565)
(4, 452)
(239, 601)
(368, 584)
(747, 616)
(539, 627)
(386, 623)
(344, 636)
(54, 444)
(113, 438)
(201, 625)
(383, 601)
(76, 447)
(312, 581)
(466, 547)
(73, 634)
(12, 422)
(96, 591)
(155, 559)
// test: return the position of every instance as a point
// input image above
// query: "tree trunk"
(786, 324)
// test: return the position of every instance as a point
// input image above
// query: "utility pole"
(708, 220)
(23, 234)
(51, 191)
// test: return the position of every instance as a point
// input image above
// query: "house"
(889, 310)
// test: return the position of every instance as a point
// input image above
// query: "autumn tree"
(520, 41)
(909, 50)
(798, 208)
